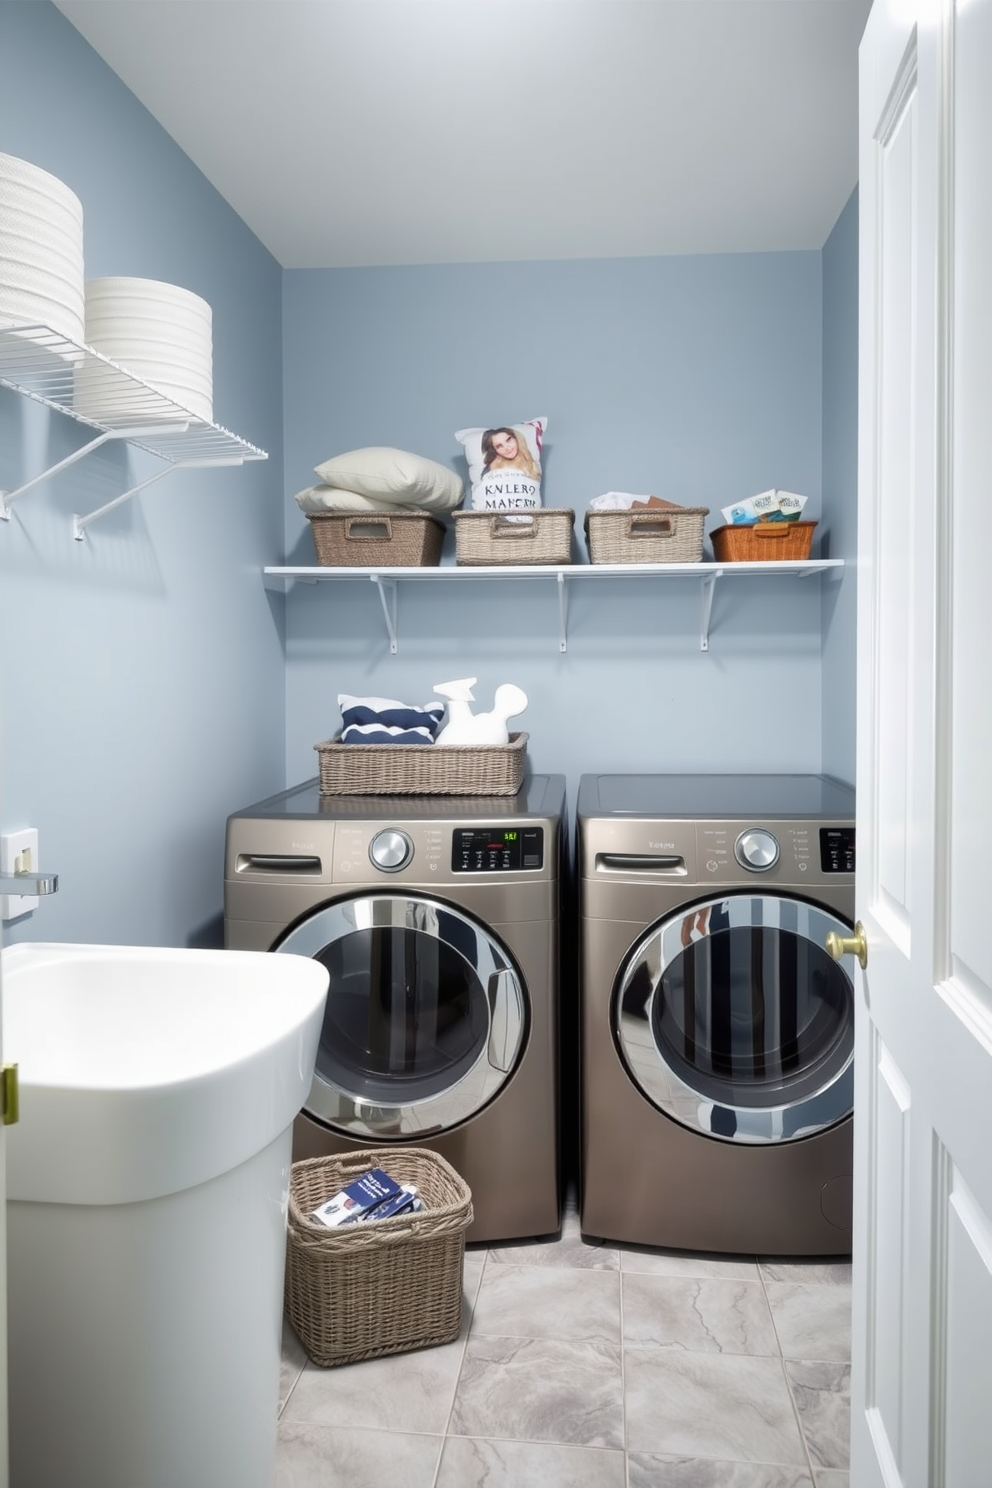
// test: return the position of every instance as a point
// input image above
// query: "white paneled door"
(922, 1363)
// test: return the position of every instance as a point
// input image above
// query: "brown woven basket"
(376, 539)
(384, 1287)
(422, 769)
(656, 535)
(761, 542)
(543, 536)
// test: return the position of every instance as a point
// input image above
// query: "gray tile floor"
(582, 1366)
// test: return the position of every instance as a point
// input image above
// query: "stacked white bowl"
(161, 333)
(41, 251)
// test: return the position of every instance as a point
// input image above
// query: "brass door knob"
(840, 946)
(10, 1097)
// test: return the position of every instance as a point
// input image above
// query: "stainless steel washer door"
(732, 1019)
(425, 1017)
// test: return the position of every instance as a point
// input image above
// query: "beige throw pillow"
(393, 476)
(331, 499)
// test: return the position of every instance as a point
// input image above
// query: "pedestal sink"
(147, 1183)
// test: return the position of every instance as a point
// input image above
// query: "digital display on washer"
(497, 849)
(837, 849)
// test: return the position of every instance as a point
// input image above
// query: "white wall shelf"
(41, 364)
(706, 575)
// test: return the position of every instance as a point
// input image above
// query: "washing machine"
(437, 918)
(717, 1038)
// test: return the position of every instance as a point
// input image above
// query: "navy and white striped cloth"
(378, 720)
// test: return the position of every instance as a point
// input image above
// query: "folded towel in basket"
(378, 720)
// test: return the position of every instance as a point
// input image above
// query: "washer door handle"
(506, 1017)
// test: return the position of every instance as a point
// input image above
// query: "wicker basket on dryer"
(422, 769)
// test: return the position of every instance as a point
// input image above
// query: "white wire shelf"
(387, 581)
(112, 403)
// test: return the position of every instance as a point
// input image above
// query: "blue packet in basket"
(406, 1201)
(358, 1199)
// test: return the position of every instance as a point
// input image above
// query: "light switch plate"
(18, 853)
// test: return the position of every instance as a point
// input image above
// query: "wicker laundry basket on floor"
(386, 1286)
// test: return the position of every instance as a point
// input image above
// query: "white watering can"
(464, 726)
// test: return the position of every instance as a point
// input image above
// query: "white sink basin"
(147, 1182)
(144, 1071)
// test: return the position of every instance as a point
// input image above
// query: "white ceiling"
(365, 132)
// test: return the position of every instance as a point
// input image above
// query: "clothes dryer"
(717, 1031)
(437, 918)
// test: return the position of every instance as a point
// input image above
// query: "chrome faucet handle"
(30, 883)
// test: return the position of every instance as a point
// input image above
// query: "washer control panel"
(434, 853)
(496, 849)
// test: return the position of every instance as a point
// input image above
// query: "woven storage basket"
(422, 769)
(543, 536)
(656, 535)
(376, 539)
(761, 542)
(386, 1286)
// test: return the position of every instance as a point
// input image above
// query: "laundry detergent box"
(359, 1199)
(767, 506)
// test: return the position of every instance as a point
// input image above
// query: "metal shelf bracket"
(562, 612)
(706, 595)
(388, 599)
(7, 498)
(79, 524)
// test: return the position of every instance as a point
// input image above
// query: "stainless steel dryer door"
(732, 1019)
(425, 1017)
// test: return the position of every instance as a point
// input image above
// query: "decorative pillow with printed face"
(504, 465)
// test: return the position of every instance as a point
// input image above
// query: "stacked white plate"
(41, 251)
(161, 334)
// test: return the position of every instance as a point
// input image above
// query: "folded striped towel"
(378, 720)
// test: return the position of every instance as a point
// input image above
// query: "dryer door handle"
(641, 863)
(506, 1020)
(277, 863)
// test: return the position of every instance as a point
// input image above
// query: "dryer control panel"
(837, 853)
(497, 849)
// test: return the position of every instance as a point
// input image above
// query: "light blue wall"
(142, 669)
(840, 488)
(695, 378)
(145, 689)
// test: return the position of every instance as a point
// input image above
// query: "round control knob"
(390, 850)
(756, 849)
